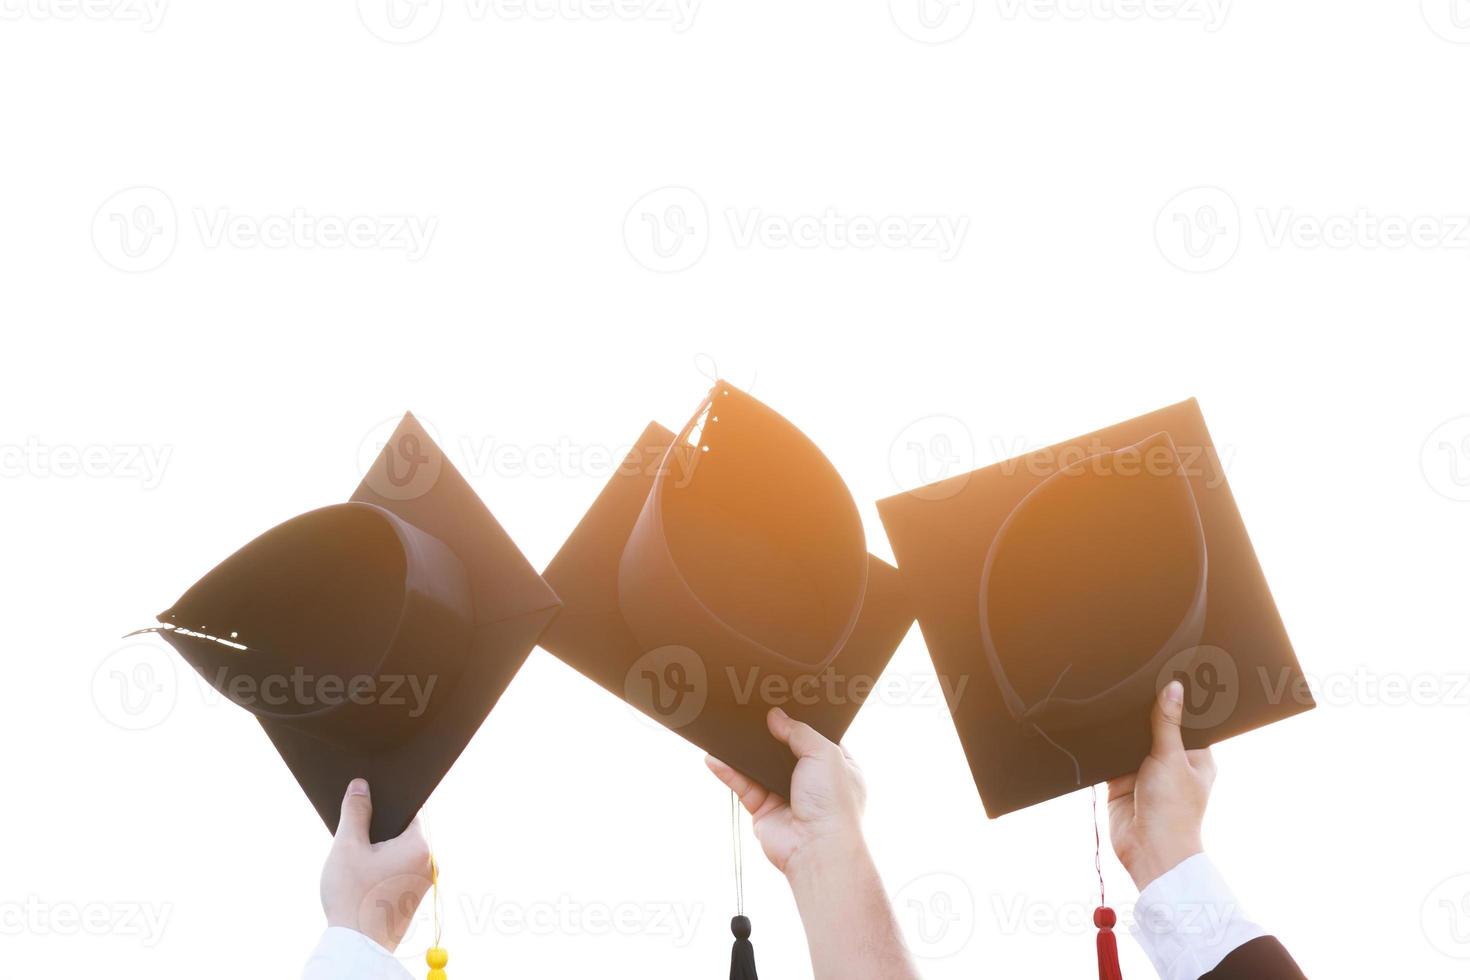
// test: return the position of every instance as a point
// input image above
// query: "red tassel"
(1107, 945)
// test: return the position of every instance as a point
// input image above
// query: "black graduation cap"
(722, 572)
(370, 638)
(1058, 592)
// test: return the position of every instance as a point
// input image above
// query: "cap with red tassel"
(1103, 917)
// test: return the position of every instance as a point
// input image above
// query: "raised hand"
(1155, 815)
(827, 795)
(374, 888)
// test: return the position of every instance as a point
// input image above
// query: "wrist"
(1152, 863)
(379, 936)
(827, 856)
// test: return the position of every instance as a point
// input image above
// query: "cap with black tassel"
(742, 954)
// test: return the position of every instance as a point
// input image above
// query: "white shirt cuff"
(346, 954)
(1187, 920)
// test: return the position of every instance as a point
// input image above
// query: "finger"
(752, 795)
(804, 741)
(1121, 787)
(413, 836)
(409, 851)
(1202, 761)
(1167, 716)
(357, 814)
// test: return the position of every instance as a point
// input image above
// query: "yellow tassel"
(436, 957)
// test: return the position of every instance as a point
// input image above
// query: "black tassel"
(742, 955)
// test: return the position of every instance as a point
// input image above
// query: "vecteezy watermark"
(1362, 229)
(1366, 688)
(674, 685)
(832, 229)
(567, 457)
(832, 687)
(300, 229)
(932, 21)
(937, 914)
(933, 458)
(300, 688)
(1211, 682)
(136, 687)
(929, 450)
(394, 906)
(669, 230)
(137, 230)
(1450, 19)
(1205, 463)
(147, 14)
(677, 14)
(400, 21)
(676, 922)
(96, 461)
(407, 21)
(1214, 684)
(1206, 920)
(938, 21)
(1200, 230)
(402, 466)
(1445, 917)
(1017, 915)
(34, 916)
(669, 684)
(1445, 459)
(1209, 14)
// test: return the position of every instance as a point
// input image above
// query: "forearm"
(850, 928)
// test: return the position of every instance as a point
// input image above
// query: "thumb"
(1168, 714)
(357, 814)
(804, 741)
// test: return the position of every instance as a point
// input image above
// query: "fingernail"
(1174, 692)
(358, 787)
(778, 713)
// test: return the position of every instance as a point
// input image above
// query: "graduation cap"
(723, 571)
(1060, 591)
(370, 638)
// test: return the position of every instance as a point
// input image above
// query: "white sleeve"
(1187, 920)
(346, 954)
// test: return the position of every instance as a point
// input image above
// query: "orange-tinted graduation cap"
(722, 572)
(370, 638)
(1058, 592)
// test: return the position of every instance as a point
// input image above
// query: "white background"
(533, 330)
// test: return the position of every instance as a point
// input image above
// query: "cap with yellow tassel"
(436, 957)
